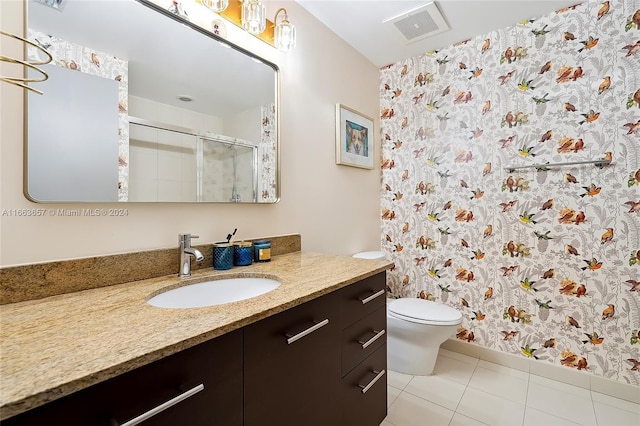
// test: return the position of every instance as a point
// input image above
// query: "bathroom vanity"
(319, 379)
(311, 352)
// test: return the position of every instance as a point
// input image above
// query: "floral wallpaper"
(70, 55)
(267, 156)
(543, 262)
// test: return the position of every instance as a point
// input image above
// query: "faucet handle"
(186, 238)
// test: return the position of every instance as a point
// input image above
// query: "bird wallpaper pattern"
(268, 157)
(543, 262)
(70, 55)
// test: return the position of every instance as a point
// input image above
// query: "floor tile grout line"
(475, 367)
(391, 405)
(637, 413)
(429, 401)
(593, 406)
(443, 378)
(526, 398)
(526, 404)
(563, 417)
(407, 384)
(593, 403)
(501, 373)
(395, 387)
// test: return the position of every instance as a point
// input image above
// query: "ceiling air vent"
(419, 23)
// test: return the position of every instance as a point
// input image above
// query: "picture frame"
(355, 143)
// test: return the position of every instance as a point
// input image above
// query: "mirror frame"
(207, 33)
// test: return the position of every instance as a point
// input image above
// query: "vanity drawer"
(364, 391)
(205, 381)
(362, 338)
(362, 298)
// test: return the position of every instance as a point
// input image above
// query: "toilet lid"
(424, 311)
(372, 255)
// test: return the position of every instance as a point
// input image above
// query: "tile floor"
(469, 391)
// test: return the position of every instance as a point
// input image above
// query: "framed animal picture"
(355, 142)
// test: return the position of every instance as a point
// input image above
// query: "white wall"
(245, 125)
(162, 165)
(334, 208)
(147, 109)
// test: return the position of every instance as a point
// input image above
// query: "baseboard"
(544, 369)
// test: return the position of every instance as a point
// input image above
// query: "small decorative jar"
(262, 251)
(242, 253)
(222, 256)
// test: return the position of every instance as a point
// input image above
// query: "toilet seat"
(422, 311)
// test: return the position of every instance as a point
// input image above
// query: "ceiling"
(360, 22)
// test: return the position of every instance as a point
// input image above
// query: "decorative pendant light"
(254, 19)
(284, 32)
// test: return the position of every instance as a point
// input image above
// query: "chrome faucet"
(186, 251)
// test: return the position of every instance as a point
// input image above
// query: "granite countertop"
(55, 346)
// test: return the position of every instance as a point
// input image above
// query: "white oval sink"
(215, 292)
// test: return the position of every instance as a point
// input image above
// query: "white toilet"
(415, 330)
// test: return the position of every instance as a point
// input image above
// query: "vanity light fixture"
(251, 16)
(254, 17)
(284, 32)
(217, 5)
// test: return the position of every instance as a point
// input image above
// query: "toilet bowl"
(415, 330)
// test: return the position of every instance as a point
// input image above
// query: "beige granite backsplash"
(37, 281)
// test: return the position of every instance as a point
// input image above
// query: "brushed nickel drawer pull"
(378, 374)
(373, 296)
(309, 330)
(160, 408)
(373, 339)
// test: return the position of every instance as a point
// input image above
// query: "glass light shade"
(219, 5)
(254, 17)
(285, 36)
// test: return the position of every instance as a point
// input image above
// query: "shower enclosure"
(168, 163)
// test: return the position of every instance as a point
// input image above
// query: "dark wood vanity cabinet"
(320, 363)
(334, 370)
(215, 364)
(292, 366)
(363, 385)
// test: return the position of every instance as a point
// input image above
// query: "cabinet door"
(293, 381)
(216, 364)
(364, 391)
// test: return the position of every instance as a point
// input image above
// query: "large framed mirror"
(145, 105)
